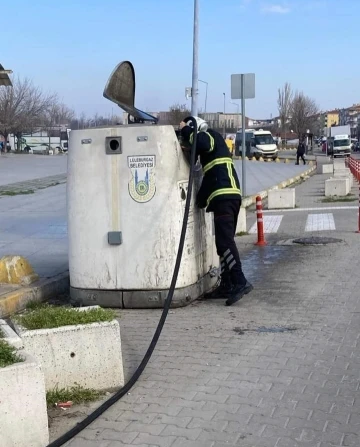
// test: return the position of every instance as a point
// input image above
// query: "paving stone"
(125, 437)
(210, 385)
(160, 441)
(80, 442)
(187, 433)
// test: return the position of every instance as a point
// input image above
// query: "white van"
(259, 143)
(341, 145)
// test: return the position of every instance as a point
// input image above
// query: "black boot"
(222, 291)
(238, 291)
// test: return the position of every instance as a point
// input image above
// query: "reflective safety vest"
(220, 180)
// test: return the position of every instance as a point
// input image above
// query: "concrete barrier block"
(322, 159)
(345, 174)
(342, 171)
(241, 223)
(88, 355)
(281, 198)
(323, 168)
(10, 336)
(24, 421)
(339, 186)
(16, 270)
(339, 164)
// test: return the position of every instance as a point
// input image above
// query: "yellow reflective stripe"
(223, 191)
(212, 142)
(232, 180)
(217, 161)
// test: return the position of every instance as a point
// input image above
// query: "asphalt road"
(18, 168)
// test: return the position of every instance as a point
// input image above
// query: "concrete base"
(23, 420)
(281, 198)
(241, 224)
(143, 299)
(337, 187)
(325, 168)
(88, 355)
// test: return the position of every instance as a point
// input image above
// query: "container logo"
(142, 184)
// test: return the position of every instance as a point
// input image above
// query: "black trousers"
(298, 157)
(226, 214)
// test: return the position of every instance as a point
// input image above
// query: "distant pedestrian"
(300, 152)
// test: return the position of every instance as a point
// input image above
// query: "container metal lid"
(120, 89)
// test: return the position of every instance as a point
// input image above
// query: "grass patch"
(76, 394)
(348, 198)
(46, 316)
(33, 305)
(16, 193)
(242, 233)
(2, 335)
(8, 354)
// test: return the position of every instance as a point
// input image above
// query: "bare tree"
(56, 116)
(303, 110)
(177, 113)
(83, 122)
(285, 97)
(22, 107)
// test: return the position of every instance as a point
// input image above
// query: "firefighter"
(220, 194)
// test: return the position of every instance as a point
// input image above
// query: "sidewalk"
(313, 212)
(279, 369)
(33, 214)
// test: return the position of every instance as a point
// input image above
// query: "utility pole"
(206, 92)
(238, 115)
(195, 68)
(224, 116)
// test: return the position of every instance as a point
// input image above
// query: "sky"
(72, 46)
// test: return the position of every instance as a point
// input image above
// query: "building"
(230, 122)
(331, 118)
(351, 116)
(4, 77)
(265, 124)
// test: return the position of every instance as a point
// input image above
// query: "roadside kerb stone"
(248, 201)
(15, 300)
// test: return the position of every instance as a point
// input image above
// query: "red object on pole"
(358, 231)
(355, 171)
(260, 222)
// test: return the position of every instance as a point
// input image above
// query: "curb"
(17, 299)
(248, 201)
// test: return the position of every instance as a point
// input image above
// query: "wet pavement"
(278, 369)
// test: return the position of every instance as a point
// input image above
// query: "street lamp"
(206, 91)
(238, 115)
(224, 116)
